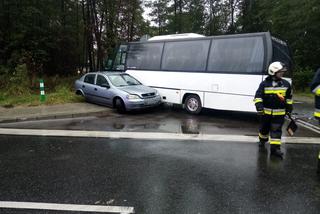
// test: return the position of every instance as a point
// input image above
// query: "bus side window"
(144, 56)
(237, 55)
(185, 55)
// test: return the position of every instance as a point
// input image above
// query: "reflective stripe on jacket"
(274, 97)
(317, 113)
(274, 111)
(315, 88)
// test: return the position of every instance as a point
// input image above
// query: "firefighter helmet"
(276, 67)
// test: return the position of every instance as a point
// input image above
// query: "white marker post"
(42, 94)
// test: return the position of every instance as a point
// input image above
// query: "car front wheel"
(121, 108)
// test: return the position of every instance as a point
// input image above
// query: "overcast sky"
(146, 12)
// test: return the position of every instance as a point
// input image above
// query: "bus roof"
(176, 36)
(194, 36)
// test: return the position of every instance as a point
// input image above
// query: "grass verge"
(17, 91)
(59, 96)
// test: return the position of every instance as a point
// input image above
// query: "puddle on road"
(165, 121)
(190, 126)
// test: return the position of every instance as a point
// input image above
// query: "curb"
(56, 116)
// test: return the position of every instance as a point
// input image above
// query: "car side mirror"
(105, 85)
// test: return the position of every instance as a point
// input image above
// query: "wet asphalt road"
(305, 112)
(156, 177)
(163, 119)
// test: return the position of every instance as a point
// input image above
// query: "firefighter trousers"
(271, 125)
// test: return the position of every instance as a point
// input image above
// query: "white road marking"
(66, 207)
(308, 126)
(150, 135)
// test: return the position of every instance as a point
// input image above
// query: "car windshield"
(121, 80)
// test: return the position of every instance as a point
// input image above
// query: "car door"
(88, 87)
(103, 91)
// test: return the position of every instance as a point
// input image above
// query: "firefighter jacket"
(315, 88)
(274, 97)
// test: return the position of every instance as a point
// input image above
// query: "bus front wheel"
(193, 104)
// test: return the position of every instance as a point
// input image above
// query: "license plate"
(149, 101)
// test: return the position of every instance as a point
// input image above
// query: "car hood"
(138, 89)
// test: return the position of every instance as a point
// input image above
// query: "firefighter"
(273, 101)
(315, 88)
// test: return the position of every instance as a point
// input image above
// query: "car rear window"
(89, 78)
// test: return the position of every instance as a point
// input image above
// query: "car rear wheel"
(121, 108)
(78, 92)
(193, 104)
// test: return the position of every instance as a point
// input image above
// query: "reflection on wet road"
(159, 176)
(167, 120)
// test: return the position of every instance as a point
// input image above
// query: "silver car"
(117, 90)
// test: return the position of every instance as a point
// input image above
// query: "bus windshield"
(118, 63)
(281, 52)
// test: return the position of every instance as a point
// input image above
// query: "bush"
(62, 94)
(15, 83)
(3, 77)
(53, 83)
(15, 88)
(302, 79)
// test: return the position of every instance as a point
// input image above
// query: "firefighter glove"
(260, 113)
(288, 109)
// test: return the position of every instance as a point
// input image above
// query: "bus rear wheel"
(193, 104)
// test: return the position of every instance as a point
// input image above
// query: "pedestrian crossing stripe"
(150, 135)
(66, 207)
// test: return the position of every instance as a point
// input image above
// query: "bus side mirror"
(120, 67)
(109, 64)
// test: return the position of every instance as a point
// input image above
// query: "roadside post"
(42, 94)
(318, 163)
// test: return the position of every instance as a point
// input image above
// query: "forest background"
(54, 39)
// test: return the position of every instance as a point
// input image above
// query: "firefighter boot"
(263, 138)
(276, 151)
(261, 144)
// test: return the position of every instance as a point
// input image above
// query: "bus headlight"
(133, 97)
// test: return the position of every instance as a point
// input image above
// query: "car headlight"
(133, 97)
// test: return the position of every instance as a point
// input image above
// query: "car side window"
(89, 78)
(102, 81)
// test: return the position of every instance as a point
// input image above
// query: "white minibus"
(216, 72)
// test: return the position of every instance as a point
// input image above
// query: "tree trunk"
(175, 16)
(180, 16)
(97, 27)
(132, 23)
(85, 37)
(90, 48)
